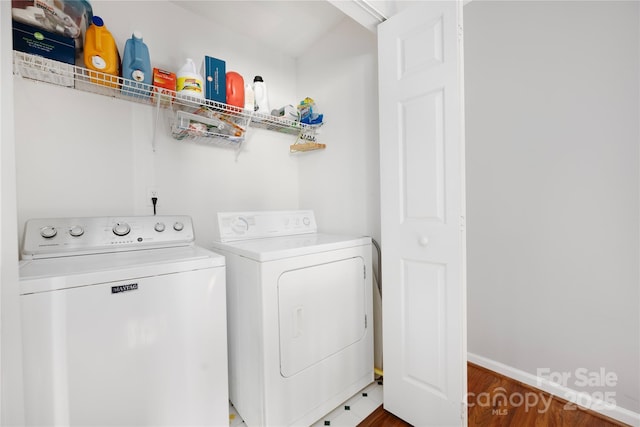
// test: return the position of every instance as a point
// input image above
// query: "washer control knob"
(306, 221)
(178, 226)
(240, 225)
(121, 229)
(159, 227)
(76, 231)
(48, 232)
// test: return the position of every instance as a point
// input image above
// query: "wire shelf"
(226, 124)
(196, 127)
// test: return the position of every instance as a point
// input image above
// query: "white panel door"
(422, 192)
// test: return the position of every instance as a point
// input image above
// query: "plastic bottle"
(101, 54)
(235, 89)
(262, 99)
(188, 81)
(136, 67)
(249, 98)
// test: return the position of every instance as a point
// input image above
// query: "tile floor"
(349, 414)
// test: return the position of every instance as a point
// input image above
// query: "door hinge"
(463, 410)
(365, 321)
(364, 268)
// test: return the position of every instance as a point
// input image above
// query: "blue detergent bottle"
(136, 67)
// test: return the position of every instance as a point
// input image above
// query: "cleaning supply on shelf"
(206, 122)
(308, 112)
(136, 67)
(67, 19)
(249, 97)
(164, 86)
(222, 124)
(101, 54)
(261, 96)
(214, 71)
(235, 89)
(288, 112)
(45, 47)
(188, 82)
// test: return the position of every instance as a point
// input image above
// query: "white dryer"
(124, 323)
(300, 317)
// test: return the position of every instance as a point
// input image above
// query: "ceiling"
(290, 26)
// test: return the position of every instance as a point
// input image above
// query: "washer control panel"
(234, 226)
(54, 237)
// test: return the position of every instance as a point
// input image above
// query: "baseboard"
(623, 415)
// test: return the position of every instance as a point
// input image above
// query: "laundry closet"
(101, 154)
(82, 154)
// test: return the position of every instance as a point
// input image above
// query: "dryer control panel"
(56, 237)
(233, 226)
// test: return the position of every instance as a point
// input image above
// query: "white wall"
(341, 183)
(80, 154)
(552, 188)
(10, 341)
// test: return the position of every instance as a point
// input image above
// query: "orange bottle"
(101, 54)
(235, 89)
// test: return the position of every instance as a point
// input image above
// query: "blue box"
(215, 82)
(67, 18)
(37, 41)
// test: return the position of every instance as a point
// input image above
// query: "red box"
(164, 83)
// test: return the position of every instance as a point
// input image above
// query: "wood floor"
(549, 411)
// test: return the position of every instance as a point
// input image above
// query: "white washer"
(124, 323)
(299, 315)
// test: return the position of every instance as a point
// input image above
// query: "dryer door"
(322, 310)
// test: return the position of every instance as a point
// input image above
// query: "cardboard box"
(39, 42)
(215, 85)
(68, 18)
(53, 55)
(164, 83)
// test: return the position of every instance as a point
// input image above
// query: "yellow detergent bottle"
(101, 54)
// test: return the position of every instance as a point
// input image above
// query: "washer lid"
(50, 274)
(274, 248)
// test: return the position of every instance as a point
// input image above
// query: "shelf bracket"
(306, 141)
(155, 126)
